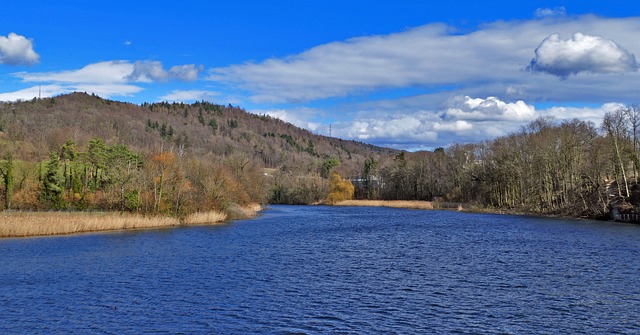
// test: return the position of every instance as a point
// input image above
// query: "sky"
(414, 75)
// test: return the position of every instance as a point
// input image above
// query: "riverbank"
(437, 205)
(25, 224)
(413, 204)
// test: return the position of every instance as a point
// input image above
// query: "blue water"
(324, 270)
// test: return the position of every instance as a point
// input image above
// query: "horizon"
(412, 76)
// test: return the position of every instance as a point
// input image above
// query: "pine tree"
(52, 183)
(7, 177)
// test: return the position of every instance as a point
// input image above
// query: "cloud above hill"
(581, 53)
(150, 71)
(117, 71)
(17, 50)
(108, 78)
(489, 109)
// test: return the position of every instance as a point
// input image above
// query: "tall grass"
(413, 204)
(205, 218)
(20, 224)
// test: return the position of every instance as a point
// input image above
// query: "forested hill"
(42, 125)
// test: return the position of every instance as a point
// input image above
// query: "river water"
(326, 270)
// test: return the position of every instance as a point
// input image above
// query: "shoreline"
(407, 204)
(34, 224)
(450, 206)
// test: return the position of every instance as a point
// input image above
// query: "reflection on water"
(310, 270)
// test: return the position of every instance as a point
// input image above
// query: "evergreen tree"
(7, 178)
(52, 183)
(214, 125)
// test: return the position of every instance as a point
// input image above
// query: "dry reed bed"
(22, 224)
(388, 203)
(205, 218)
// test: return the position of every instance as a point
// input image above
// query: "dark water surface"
(323, 270)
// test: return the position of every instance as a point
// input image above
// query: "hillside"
(202, 128)
(187, 156)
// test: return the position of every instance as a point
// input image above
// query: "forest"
(79, 152)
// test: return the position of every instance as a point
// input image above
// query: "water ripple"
(322, 270)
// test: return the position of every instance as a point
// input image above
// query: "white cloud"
(44, 91)
(107, 79)
(47, 91)
(582, 53)
(550, 12)
(187, 72)
(419, 56)
(189, 95)
(116, 71)
(592, 114)
(147, 72)
(107, 90)
(408, 126)
(153, 71)
(489, 109)
(486, 62)
(464, 119)
(301, 117)
(96, 73)
(17, 50)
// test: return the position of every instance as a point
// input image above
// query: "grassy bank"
(388, 203)
(409, 204)
(23, 224)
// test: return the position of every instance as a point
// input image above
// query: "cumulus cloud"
(404, 128)
(581, 53)
(489, 109)
(474, 120)
(592, 114)
(407, 126)
(17, 50)
(419, 130)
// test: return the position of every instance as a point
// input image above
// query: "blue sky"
(405, 74)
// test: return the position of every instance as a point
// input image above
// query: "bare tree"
(632, 114)
(615, 126)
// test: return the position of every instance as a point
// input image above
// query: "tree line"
(213, 156)
(569, 168)
(98, 176)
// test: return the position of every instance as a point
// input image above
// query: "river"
(330, 270)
